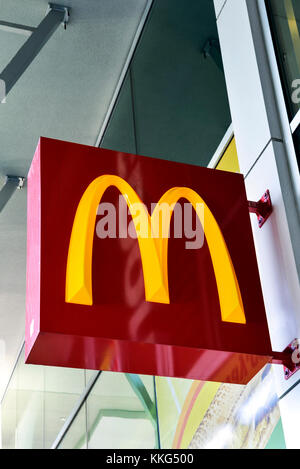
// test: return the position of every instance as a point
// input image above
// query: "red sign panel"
(117, 282)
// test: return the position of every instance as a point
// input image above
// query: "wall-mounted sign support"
(293, 349)
(12, 183)
(60, 8)
(56, 14)
(289, 358)
(262, 209)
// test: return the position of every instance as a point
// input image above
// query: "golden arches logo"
(154, 251)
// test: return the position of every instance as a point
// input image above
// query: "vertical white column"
(265, 154)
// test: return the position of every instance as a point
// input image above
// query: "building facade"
(214, 84)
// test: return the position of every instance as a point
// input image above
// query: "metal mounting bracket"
(62, 9)
(294, 350)
(11, 185)
(17, 180)
(263, 208)
(289, 358)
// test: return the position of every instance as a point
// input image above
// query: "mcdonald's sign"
(144, 304)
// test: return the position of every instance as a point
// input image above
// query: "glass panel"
(173, 103)
(63, 388)
(30, 406)
(90, 375)
(171, 396)
(277, 440)
(285, 21)
(37, 403)
(22, 408)
(9, 415)
(121, 412)
(75, 438)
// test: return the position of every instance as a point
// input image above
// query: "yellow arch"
(154, 251)
(231, 304)
(79, 266)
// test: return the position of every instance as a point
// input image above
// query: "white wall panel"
(290, 411)
(252, 128)
(264, 150)
(276, 261)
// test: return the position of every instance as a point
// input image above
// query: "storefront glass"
(48, 407)
(37, 403)
(121, 412)
(76, 437)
